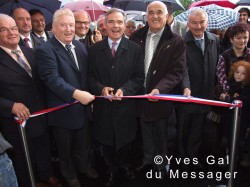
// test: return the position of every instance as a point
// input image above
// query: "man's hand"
(108, 91)
(21, 111)
(97, 36)
(119, 93)
(83, 97)
(153, 92)
(187, 92)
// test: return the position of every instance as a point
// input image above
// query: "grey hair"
(62, 12)
(131, 21)
(160, 3)
(83, 12)
(112, 10)
(198, 10)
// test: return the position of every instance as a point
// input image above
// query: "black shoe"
(129, 174)
(110, 180)
(144, 167)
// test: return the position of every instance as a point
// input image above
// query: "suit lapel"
(8, 61)
(107, 50)
(122, 46)
(64, 53)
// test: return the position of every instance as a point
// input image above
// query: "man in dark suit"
(23, 21)
(38, 25)
(21, 93)
(62, 65)
(116, 69)
(164, 65)
(199, 81)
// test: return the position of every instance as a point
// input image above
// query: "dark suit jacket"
(125, 71)
(61, 76)
(34, 39)
(48, 34)
(17, 86)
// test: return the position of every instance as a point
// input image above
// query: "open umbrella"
(93, 8)
(218, 17)
(48, 7)
(223, 3)
(243, 2)
(141, 5)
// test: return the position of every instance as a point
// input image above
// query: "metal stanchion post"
(27, 155)
(236, 128)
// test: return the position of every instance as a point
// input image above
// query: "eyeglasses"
(82, 22)
(12, 29)
(131, 27)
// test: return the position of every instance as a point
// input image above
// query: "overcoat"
(115, 122)
(201, 70)
(165, 71)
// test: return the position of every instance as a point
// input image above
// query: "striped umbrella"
(218, 17)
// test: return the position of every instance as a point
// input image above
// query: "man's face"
(197, 24)
(82, 24)
(102, 27)
(130, 28)
(243, 17)
(115, 25)
(38, 23)
(64, 28)
(156, 17)
(9, 35)
(23, 21)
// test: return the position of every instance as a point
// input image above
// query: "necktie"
(68, 48)
(43, 39)
(26, 41)
(113, 48)
(200, 42)
(149, 52)
(82, 40)
(22, 63)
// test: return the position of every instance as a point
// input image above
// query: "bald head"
(9, 35)
(82, 20)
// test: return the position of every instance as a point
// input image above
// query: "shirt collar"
(159, 33)
(201, 38)
(78, 38)
(64, 45)
(26, 37)
(111, 41)
(9, 50)
(43, 35)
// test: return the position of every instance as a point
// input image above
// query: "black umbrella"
(243, 2)
(48, 7)
(141, 5)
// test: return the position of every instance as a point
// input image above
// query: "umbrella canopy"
(141, 5)
(93, 8)
(218, 17)
(48, 7)
(243, 2)
(223, 3)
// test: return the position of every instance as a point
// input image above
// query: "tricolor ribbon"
(42, 112)
(164, 97)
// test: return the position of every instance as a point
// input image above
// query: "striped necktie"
(113, 48)
(149, 52)
(22, 63)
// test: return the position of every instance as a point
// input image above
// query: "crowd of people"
(44, 69)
